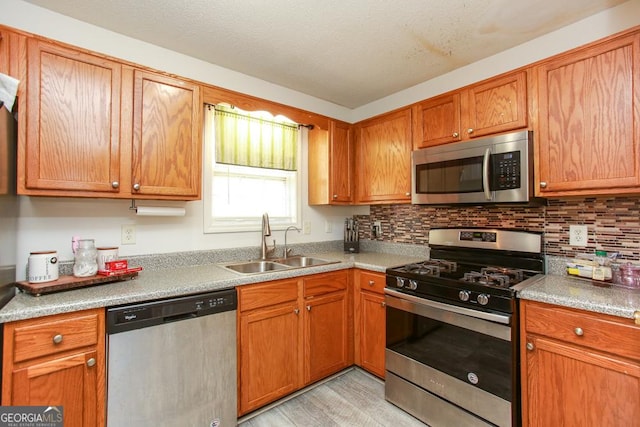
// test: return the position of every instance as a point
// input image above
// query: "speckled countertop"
(583, 294)
(157, 282)
(185, 273)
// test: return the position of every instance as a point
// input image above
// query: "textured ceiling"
(349, 52)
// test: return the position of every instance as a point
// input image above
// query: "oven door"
(460, 368)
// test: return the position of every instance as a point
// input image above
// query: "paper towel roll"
(159, 211)
(8, 90)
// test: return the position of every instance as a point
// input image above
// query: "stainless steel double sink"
(266, 266)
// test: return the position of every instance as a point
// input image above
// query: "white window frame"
(252, 222)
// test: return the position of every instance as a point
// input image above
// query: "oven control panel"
(478, 236)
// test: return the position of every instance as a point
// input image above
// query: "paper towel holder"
(156, 210)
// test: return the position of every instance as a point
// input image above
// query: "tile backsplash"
(613, 223)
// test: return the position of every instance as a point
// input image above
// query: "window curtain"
(242, 138)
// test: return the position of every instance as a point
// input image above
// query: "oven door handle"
(493, 317)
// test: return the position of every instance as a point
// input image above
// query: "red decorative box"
(117, 265)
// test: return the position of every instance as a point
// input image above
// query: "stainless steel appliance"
(452, 327)
(489, 170)
(173, 362)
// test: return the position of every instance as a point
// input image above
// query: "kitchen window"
(251, 167)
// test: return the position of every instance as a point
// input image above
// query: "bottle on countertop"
(85, 263)
(602, 270)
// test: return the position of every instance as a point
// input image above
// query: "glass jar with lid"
(85, 263)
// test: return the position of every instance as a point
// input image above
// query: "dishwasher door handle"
(177, 317)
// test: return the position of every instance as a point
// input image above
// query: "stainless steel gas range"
(452, 327)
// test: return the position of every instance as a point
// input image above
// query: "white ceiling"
(349, 52)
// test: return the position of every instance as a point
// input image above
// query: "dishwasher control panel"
(142, 315)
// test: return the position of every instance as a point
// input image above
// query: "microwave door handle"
(485, 174)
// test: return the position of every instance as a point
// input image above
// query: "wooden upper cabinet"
(437, 121)
(331, 164)
(497, 105)
(589, 120)
(73, 122)
(493, 106)
(167, 133)
(4, 51)
(383, 159)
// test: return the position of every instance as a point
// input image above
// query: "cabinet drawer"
(596, 331)
(50, 335)
(267, 294)
(325, 283)
(372, 282)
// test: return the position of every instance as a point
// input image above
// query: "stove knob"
(400, 282)
(483, 299)
(413, 285)
(464, 295)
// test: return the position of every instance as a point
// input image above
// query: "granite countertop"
(583, 294)
(161, 283)
(163, 278)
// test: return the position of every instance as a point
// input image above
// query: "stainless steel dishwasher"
(172, 362)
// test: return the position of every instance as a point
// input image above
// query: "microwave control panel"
(505, 170)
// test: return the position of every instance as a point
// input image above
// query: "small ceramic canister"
(42, 267)
(105, 255)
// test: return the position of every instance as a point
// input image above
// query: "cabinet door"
(167, 132)
(69, 381)
(383, 159)
(73, 127)
(573, 387)
(497, 105)
(341, 161)
(4, 51)
(589, 120)
(372, 332)
(326, 336)
(330, 165)
(437, 121)
(269, 355)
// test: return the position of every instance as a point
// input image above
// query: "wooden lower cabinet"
(291, 333)
(578, 368)
(326, 323)
(370, 318)
(57, 360)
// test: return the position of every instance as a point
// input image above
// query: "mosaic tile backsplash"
(613, 223)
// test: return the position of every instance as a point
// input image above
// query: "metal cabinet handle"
(407, 193)
(57, 339)
(636, 317)
(543, 184)
(579, 332)
(115, 184)
(372, 282)
(383, 304)
(455, 134)
(335, 196)
(136, 186)
(308, 308)
(530, 346)
(296, 311)
(91, 362)
(470, 131)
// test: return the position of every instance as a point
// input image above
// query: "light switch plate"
(578, 235)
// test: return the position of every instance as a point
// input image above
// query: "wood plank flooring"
(354, 398)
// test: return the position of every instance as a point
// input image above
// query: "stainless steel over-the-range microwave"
(496, 169)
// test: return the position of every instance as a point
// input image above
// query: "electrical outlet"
(578, 235)
(376, 229)
(306, 227)
(128, 236)
(328, 227)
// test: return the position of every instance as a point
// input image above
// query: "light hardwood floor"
(352, 399)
